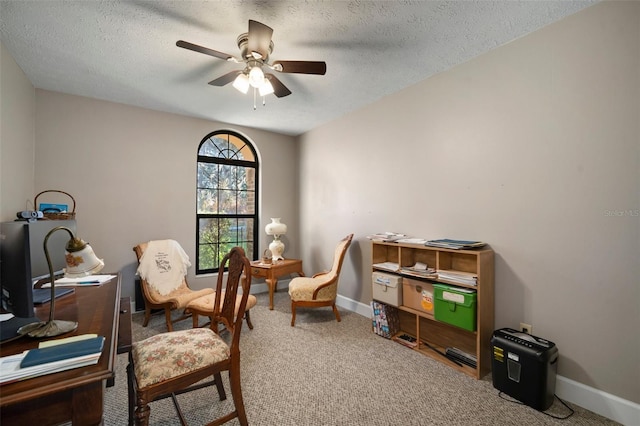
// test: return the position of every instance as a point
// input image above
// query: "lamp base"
(47, 329)
(277, 248)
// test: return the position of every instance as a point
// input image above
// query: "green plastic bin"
(455, 306)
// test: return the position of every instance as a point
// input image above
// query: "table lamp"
(276, 228)
(81, 262)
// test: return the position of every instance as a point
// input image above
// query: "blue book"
(63, 351)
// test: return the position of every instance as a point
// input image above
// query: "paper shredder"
(524, 367)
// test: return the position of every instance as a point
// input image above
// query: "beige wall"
(533, 148)
(17, 130)
(132, 173)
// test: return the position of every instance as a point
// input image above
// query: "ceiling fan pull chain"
(254, 98)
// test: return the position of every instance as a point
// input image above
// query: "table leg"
(273, 286)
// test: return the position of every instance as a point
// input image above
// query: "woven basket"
(56, 215)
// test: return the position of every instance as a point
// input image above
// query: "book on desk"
(51, 357)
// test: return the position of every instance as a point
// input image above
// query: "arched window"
(227, 194)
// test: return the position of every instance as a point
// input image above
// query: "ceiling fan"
(255, 47)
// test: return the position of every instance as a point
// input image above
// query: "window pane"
(226, 230)
(242, 203)
(228, 203)
(208, 149)
(241, 178)
(207, 201)
(227, 178)
(208, 175)
(208, 255)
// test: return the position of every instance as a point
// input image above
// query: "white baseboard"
(602, 403)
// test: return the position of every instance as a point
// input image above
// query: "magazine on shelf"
(455, 244)
(458, 277)
(387, 237)
(420, 270)
(387, 266)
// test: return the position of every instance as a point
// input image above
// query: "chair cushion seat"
(180, 297)
(168, 355)
(302, 288)
(204, 304)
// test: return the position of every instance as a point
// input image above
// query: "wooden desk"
(271, 272)
(75, 395)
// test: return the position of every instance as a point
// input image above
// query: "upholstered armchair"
(162, 268)
(321, 289)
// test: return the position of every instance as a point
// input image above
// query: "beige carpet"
(322, 372)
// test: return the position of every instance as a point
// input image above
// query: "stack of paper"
(82, 281)
(52, 357)
(387, 237)
(387, 266)
(419, 269)
(458, 277)
(455, 244)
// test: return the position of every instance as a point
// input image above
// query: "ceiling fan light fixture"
(256, 47)
(241, 83)
(256, 77)
(266, 88)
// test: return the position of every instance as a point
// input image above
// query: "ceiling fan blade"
(225, 79)
(259, 38)
(205, 50)
(303, 67)
(279, 89)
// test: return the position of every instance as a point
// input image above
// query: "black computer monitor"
(23, 260)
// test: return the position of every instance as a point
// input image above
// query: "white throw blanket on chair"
(163, 265)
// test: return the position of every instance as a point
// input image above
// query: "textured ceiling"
(126, 52)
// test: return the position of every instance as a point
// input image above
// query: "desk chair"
(176, 362)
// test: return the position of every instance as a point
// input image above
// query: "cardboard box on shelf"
(417, 295)
(387, 288)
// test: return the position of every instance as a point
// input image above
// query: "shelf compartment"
(409, 256)
(408, 321)
(445, 335)
(458, 261)
(385, 253)
(425, 350)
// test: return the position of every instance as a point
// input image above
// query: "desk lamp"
(276, 228)
(81, 262)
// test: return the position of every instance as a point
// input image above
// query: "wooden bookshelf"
(435, 336)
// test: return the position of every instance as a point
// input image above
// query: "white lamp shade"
(266, 88)
(241, 83)
(275, 227)
(256, 77)
(82, 263)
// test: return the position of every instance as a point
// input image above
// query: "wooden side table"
(271, 271)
